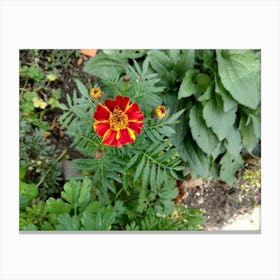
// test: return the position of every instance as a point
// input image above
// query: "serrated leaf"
(233, 142)
(153, 176)
(166, 130)
(229, 165)
(159, 61)
(57, 206)
(77, 193)
(139, 169)
(203, 135)
(168, 193)
(249, 139)
(29, 227)
(101, 220)
(188, 87)
(174, 117)
(146, 174)
(240, 74)
(221, 122)
(160, 177)
(66, 222)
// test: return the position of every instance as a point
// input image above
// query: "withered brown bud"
(98, 154)
(126, 78)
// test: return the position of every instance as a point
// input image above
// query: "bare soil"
(221, 203)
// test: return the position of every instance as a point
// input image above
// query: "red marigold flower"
(118, 121)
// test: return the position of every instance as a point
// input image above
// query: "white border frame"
(146, 24)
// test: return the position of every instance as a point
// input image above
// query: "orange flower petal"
(101, 113)
(111, 104)
(122, 102)
(101, 127)
(126, 136)
(136, 126)
(109, 137)
(89, 52)
(134, 113)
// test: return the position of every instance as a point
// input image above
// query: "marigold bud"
(126, 78)
(96, 94)
(159, 112)
(98, 154)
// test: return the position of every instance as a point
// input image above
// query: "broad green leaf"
(188, 87)
(117, 54)
(228, 102)
(221, 122)
(207, 94)
(184, 63)
(29, 95)
(203, 135)
(174, 54)
(22, 172)
(233, 142)
(219, 150)
(240, 74)
(203, 81)
(67, 222)
(197, 160)
(249, 139)
(27, 192)
(256, 126)
(229, 165)
(103, 65)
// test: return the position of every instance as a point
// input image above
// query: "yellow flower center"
(118, 119)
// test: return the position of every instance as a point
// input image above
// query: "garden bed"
(191, 125)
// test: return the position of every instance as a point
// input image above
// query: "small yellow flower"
(51, 77)
(96, 94)
(39, 103)
(159, 112)
(47, 133)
